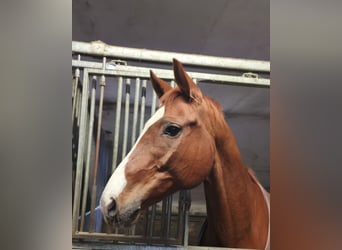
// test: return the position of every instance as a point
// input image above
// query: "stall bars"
(83, 120)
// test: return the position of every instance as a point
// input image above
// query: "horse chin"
(126, 219)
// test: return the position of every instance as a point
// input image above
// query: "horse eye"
(172, 130)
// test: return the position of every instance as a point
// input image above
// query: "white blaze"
(117, 181)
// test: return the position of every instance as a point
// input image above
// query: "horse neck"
(231, 194)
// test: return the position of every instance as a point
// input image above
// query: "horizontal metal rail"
(126, 238)
(101, 49)
(143, 72)
(109, 246)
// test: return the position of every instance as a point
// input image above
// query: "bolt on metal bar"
(135, 111)
(90, 137)
(117, 124)
(125, 137)
(97, 151)
(80, 158)
(102, 49)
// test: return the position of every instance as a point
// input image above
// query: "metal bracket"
(118, 62)
(113, 63)
(250, 75)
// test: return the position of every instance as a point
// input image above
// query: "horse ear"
(159, 86)
(185, 83)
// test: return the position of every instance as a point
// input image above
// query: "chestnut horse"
(186, 142)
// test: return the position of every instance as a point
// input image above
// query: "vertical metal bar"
(187, 204)
(169, 214)
(73, 87)
(90, 137)
(81, 143)
(147, 224)
(132, 231)
(135, 111)
(74, 94)
(154, 100)
(186, 228)
(153, 217)
(79, 105)
(173, 84)
(97, 151)
(77, 97)
(125, 137)
(142, 108)
(163, 218)
(180, 213)
(117, 130)
(117, 124)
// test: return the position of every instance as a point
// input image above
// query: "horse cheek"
(194, 171)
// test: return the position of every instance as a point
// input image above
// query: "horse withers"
(187, 142)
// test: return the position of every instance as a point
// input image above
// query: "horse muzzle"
(114, 216)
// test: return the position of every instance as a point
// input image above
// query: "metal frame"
(101, 49)
(137, 77)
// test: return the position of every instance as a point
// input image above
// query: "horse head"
(174, 151)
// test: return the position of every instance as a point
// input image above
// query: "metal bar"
(147, 225)
(186, 228)
(77, 76)
(153, 217)
(102, 49)
(173, 84)
(79, 105)
(163, 218)
(117, 124)
(97, 151)
(125, 238)
(90, 137)
(153, 105)
(143, 72)
(142, 107)
(125, 137)
(180, 214)
(187, 204)
(135, 111)
(74, 94)
(76, 103)
(132, 230)
(81, 143)
(169, 213)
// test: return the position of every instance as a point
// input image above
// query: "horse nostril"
(111, 207)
